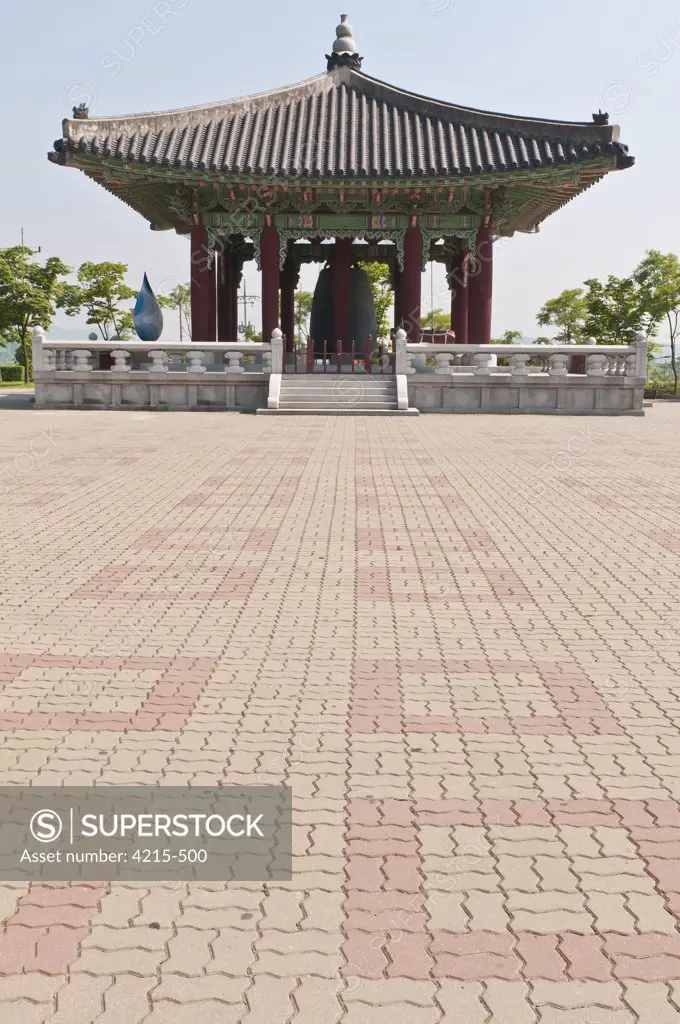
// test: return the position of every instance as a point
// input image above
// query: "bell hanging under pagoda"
(362, 319)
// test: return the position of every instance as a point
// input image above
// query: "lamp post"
(247, 300)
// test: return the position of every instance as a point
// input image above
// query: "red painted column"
(269, 256)
(411, 280)
(236, 274)
(458, 282)
(288, 282)
(225, 296)
(342, 263)
(397, 276)
(203, 289)
(480, 290)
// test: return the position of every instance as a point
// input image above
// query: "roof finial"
(344, 48)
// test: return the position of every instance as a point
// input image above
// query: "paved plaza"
(456, 639)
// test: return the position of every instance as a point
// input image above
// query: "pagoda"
(339, 168)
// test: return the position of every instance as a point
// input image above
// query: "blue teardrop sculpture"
(148, 314)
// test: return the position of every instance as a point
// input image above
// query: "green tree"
(616, 311)
(303, 312)
(509, 338)
(658, 278)
(436, 320)
(380, 276)
(100, 292)
(29, 292)
(567, 313)
(179, 299)
(251, 334)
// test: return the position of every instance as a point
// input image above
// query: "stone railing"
(605, 379)
(481, 360)
(153, 357)
(163, 374)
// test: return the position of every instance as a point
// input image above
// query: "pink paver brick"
(477, 712)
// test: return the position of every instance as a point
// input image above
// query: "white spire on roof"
(344, 42)
(344, 52)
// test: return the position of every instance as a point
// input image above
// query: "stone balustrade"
(537, 378)
(481, 360)
(152, 357)
(430, 378)
(172, 375)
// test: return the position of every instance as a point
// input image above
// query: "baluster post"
(443, 360)
(235, 364)
(482, 364)
(557, 365)
(640, 356)
(82, 360)
(120, 361)
(159, 361)
(596, 365)
(518, 364)
(403, 356)
(277, 352)
(195, 361)
(37, 348)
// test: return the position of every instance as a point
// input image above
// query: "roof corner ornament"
(81, 112)
(601, 118)
(344, 48)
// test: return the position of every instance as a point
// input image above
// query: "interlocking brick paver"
(80, 1000)
(269, 1001)
(651, 1002)
(450, 636)
(462, 1000)
(207, 1012)
(28, 1012)
(317, 999)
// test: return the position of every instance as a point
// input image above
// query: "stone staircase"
(350, 394)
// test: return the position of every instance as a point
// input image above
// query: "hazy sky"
(535, 58)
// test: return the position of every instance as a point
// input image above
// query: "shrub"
(12, 374)
(659, 381)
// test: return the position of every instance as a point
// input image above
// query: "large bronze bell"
(362, 322)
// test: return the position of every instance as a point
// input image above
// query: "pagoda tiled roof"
(341, 124)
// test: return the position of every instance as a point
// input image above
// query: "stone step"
(326, 388)
(337, 412)
(350, 409)
(329, 382)
(312, 389)
(316, 404)
(339, 391)
(330, 379)
(328, 394)
(338, 395)
(367, 388)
